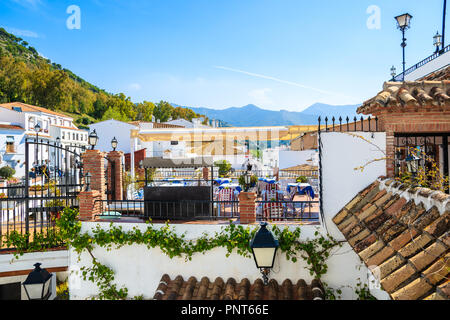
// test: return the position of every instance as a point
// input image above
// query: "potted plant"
(54, 209)
(301, 179)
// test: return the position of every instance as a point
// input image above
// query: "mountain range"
(251, 115)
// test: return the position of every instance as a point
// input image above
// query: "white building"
(18, 121)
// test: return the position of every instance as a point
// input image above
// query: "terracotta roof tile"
(408, 243)
(30, 108)
(408, 94)
(11, 127)
(442, 74)
(179, 289)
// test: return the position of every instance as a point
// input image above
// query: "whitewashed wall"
(50, 259)
(438, 63)
(107, 130)
(294, 158)
(140, 269)
(341, 154)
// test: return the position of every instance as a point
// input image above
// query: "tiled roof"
(156, 124)
(442, 74)
(10, 127)
(28, 107)
(405, 232)
(205, 289)
(399, 95)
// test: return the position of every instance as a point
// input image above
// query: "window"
(63, 136)
(77, 136)
(10, 144)
(173, 143)
(73, 135)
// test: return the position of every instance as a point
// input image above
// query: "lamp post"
(413, 163)
(437, 41)
(37, 284)
(393, 73)
(247, 181)
(114, 143)
(93, 139)
(87, 181)
(37, 128)
(264, 248)
(403, 23)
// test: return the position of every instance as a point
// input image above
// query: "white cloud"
(260, 96)
(135, 86)
(28, 3)
(257, 75)
(21, 32)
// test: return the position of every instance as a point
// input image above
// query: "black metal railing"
(188, 210)
(347, 124)
(287, 210)
(169, 210)
(435, 55)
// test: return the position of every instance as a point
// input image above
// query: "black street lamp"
(403, 23)
(393, 73)
(412, 163)
(437, 41)
(114, 143)
(93, 139)
(37, 284)
(264, 248)
(87, 181)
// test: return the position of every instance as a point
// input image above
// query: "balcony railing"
(435, 55)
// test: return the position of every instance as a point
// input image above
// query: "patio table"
(302, 188)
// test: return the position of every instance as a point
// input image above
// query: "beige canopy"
(280, 133)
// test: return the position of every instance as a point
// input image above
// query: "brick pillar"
(205, 173)
(247, 207)
(88, 205)
(390, 154)
(116, 157)
(94, 163)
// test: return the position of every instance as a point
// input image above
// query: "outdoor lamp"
(93, 138)
(403, 21)
(88, 181)
(114, 143)
(37, 284)
(58, 140)
(83, 148)
(247, 180)
(37, 127)
(393, 72)
(437, 41)
(412, 163)
(264, 247)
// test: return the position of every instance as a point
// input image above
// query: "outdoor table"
(302, 188)
(231, 186)
(221, 181)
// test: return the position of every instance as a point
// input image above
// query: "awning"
(197, 162)
(281, 133)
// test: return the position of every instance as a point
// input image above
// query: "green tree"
(163, 111)
(115, 114)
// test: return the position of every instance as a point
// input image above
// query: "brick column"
(390, 154)
(247, 207)
(88, 207)
(116, 157)
(94, 163)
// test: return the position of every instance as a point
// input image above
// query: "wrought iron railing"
(435, 55)
(333, 124)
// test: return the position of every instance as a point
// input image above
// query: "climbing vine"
(68, 229)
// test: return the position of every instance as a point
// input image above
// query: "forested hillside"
(27, 77)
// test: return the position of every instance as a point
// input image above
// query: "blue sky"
(277, 54)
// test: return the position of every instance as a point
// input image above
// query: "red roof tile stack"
(205, 289)
(408, 244)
